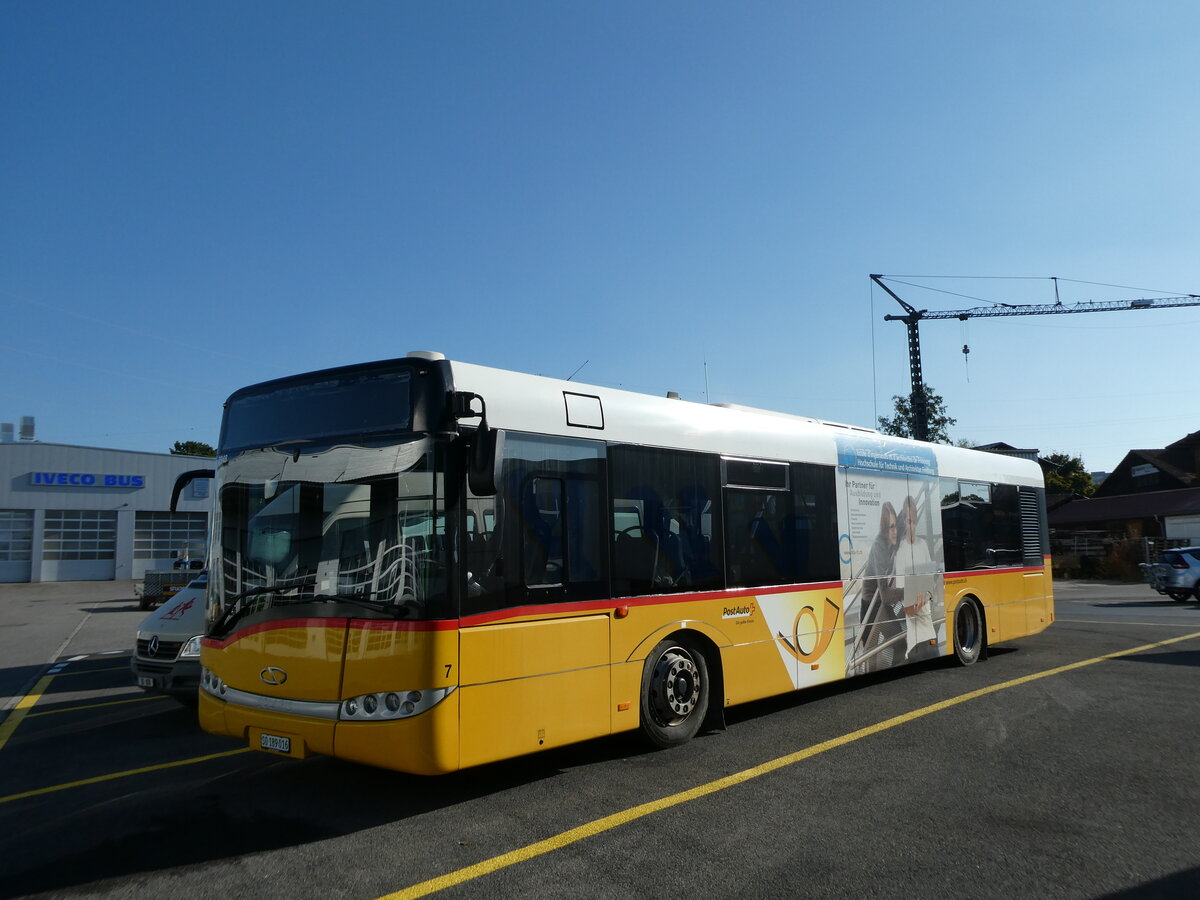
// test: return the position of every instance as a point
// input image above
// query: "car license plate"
(275, 742)
(145, 681)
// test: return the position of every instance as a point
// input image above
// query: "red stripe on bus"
(972, 573)
(543, 609)
(362, 624)
(657, 600)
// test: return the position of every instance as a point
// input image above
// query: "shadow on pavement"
(265, 804)
(1165, 658)
(1180, 884)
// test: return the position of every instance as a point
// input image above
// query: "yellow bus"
(426, 565)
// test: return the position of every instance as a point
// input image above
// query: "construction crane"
(912, 316)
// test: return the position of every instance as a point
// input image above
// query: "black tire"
(675, 692)
(968, 632)
(1180, 596)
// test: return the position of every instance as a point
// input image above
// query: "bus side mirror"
(483, 460)
(185, 479)
(485, 448)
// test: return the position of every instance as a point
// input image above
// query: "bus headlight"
(210, 683)
(387, 705)
(191, 649)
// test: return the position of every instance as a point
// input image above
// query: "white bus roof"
(534, 403)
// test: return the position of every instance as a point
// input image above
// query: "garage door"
(79, 545)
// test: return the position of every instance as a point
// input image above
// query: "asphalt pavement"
(42, 623)
(1063, 766)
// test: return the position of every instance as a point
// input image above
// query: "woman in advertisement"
(880, 596)
(919, 571)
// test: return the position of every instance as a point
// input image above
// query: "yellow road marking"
(112, 776)
(607, 823)
(9, 725)
(55, 712)
(21, 710)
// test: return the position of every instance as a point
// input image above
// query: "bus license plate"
(276, 743)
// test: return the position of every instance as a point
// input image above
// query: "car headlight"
(191, 648)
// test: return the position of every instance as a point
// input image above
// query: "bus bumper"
(426, 744)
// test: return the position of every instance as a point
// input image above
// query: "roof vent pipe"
(673, 395)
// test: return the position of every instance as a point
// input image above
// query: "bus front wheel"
(968, 632)
(675, 693)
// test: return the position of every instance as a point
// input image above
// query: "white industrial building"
(88, 514)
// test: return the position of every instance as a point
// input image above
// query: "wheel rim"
(674, 687)
(966, 626)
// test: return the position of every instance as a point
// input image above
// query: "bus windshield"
(350, 526)
(357, 404)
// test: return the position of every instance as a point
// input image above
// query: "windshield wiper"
(234, 609)
(406, 608)
(353, 600)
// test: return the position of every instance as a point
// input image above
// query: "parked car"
(192, 556)
(166, 658)
(1177, 573)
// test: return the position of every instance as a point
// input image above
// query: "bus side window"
(640, 530)
(542, 513)
(672, 546)
(813, 529)
(757, 550)
(485, 570)
(545, 542)
(953, 525)
(1006, 548)
(981, 525)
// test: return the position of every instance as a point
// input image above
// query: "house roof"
(1186, 441)
(1162, 460)
(1172, 467)
(1007, 450)
(1150, 504)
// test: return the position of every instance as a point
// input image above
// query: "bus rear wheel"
(675, 693)
(968, 632)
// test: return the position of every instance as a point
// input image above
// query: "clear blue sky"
(687, 196)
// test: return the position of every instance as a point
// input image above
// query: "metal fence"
(1101, 554)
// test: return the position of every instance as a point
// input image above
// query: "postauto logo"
(739, 612)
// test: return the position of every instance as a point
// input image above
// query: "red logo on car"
(177, 611)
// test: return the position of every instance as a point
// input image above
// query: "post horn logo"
(823, 632)
(273, 675)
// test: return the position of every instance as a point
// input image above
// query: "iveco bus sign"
(86, 479)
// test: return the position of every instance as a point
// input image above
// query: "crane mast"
(912, 317)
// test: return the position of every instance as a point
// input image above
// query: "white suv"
(1177, 573)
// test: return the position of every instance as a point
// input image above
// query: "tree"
(901, 424)
(1065, 474)
(192, 448)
